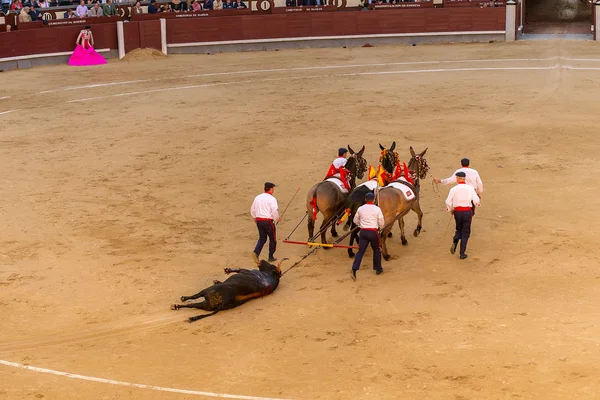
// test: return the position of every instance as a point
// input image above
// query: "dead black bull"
(245, 285)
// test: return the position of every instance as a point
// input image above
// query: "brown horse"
(327, 198)
(417, 167)
(418, 164)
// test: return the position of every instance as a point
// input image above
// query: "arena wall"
(216, 31)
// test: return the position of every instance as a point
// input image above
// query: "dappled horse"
(328, 197)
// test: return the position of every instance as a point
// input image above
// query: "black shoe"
(353, 274)
(453, 248)
(255, 258)
(271, 259)
(463, 256)
(379, 271)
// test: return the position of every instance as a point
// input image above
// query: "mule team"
(395, 189)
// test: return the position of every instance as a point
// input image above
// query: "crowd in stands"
(28, 10)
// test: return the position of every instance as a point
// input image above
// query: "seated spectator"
(178, 5)
(43, 4)
(208, 4)
(96, 11)
(228, 4)
(69, 14)
(16, 6)
(81, 10)
(110, 9)
(152, 9)
(24, 15)
(218, 5)
(137, 9)
(290, 3)
(196, 6)
(239, 4)
(35, 16)
(5, 6)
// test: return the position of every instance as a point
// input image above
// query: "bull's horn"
(279, 263)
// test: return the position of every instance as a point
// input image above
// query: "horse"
(389, 159)
(417, 168)
(328, 198)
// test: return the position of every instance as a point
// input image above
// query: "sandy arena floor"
(118, 199)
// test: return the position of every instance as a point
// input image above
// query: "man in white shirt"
(472, 177)
(460, 201)
(370, 220)
(338, 168)
(264, 210)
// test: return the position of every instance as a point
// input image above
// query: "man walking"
(370, 219)
(472, 177)
(460, 201)
(264, 211)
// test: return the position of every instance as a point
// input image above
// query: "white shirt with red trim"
(369, 216)
(339, 162)
(473, 179)
(265, 206)
(462, 195)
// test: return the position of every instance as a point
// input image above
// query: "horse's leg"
(402, 235)
(323, 228)
(416, 207)
(384, 236)
(311, 226)
(333, 231)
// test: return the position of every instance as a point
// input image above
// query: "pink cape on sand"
(83, 57)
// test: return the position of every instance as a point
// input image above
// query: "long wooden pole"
(341, 246)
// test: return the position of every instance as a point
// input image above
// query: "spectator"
(239, 4)
(69, 14)
(110, 9)
(24, 15)
(35, 16)
(208, 4)
(5, 6)
(96, 11)
(227, 4)
(196, 6)
(16, 6)
(152, 9)
(43, 4)
(218, 5)
(177, 5)
(81, 10)
(137, 9)
(290, 3)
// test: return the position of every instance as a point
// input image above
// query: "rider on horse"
(338, 170)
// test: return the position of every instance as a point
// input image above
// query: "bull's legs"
(197, 317)
(416, 207)
(402, 235)
(193, 297)
(203, 305)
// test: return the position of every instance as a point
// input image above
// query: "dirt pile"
(144, 55)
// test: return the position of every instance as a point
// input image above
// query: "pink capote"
(85, 55)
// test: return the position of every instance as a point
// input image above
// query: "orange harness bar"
(340, 246)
